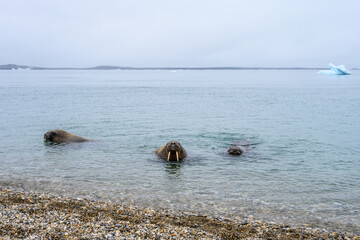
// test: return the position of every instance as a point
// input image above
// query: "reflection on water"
(173, 169)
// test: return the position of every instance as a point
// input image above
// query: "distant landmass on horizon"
(105, 67)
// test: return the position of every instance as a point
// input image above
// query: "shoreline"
(42, 215)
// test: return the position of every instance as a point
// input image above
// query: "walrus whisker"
(168, 156)
(177, 156)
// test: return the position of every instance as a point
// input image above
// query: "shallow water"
(302, 165)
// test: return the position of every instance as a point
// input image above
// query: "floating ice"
(335, 70)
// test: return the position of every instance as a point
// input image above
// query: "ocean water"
(302, 165)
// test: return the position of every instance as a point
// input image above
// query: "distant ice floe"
(335, 70)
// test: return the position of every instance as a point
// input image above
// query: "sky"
(180, 33)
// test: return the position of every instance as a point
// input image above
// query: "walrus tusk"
(168, 157)
(177, 156)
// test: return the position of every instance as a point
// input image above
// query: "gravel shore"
(26, 215)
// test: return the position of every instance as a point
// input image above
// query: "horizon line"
(114, 67)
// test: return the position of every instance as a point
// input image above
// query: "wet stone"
(46, 216)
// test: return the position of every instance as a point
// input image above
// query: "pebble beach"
(30, 215)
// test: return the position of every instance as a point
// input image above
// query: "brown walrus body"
(172, 151)
(61, 136)
(236, 150)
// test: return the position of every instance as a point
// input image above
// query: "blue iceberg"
(335, 70)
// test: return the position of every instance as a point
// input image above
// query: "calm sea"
(302, 165)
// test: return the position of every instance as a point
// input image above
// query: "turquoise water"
(302, 165)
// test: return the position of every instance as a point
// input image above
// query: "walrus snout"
(235, 150)
(49, 136)
(173, 146)
(173, 149)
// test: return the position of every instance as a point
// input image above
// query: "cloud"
(180, 33)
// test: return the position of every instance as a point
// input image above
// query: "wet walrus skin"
(60, 136)
(172, 151)
(236, 150)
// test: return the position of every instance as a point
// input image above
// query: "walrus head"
(173, 150)
(235, 150)
(61, 136)
(53, 137)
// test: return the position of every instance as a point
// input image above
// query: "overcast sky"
(145, 33)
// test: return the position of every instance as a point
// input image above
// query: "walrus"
(236, 150)
(171, 151)
(60, 136)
